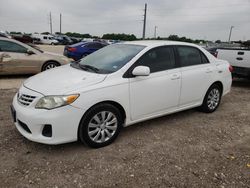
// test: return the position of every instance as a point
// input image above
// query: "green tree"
(123, 37)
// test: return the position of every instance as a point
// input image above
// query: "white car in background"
(117, 86)
(238, 58)
(46, 39)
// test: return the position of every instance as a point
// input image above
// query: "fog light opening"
(47, 130)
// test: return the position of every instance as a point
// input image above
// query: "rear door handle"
(209, 70)
(175, 77)
(239, 58)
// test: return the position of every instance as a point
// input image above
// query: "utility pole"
(229, 39)
(144, 21)
(50, 22)
(60, 23)
(155, 32)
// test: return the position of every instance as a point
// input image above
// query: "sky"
(196, 19)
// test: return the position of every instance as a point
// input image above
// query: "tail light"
(231, 68)
(71, 49)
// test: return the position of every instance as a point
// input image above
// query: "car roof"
(154, 43)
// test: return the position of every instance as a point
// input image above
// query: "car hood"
(62, 80)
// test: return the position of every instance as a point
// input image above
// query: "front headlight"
(51, 102)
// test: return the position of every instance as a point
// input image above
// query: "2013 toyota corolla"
(117, 86)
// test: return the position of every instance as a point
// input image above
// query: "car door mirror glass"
(141, 71)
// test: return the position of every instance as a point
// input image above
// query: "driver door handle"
(4, 55)
(209, 70)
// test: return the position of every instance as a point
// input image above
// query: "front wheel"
(49, 65)
(212, 99)
(100, 125)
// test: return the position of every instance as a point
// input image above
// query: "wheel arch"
(220, 84)
(48, 61)
(114, 103)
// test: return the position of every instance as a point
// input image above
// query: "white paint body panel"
(232, 55)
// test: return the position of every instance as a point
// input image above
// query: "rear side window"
(44, 37)
(94, 45)
(204, 58)
(7, 46)
(158, 59)
(189, 56)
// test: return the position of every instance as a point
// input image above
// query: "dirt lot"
(187, 149)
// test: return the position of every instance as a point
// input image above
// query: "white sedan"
(117, 86)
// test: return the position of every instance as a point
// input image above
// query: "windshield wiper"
(89, 67)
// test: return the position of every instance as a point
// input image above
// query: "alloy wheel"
(50, 66)
(102, 126)
(213, 98)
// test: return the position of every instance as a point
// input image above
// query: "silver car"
(19, 58)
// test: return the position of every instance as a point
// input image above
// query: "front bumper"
(64, 121)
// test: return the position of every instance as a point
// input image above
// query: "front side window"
(189, 56)
(158, 59)
(7, 46)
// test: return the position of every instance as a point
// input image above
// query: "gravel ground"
(187, 149)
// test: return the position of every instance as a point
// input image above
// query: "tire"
(100, 126)
(50, 65)
(52, 44)
(212, 99)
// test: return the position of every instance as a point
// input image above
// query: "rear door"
(196, 73)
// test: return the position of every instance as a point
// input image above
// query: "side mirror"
(29, 52)
(141, 71)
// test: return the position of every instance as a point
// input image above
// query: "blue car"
(82, 49)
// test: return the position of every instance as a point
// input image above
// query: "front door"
(159, 92)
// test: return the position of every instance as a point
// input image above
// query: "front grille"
(25, 99)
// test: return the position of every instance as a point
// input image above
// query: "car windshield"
(111, 58)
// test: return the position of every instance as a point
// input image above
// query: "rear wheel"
(50, 65)
(212, 99)
(100, 125)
